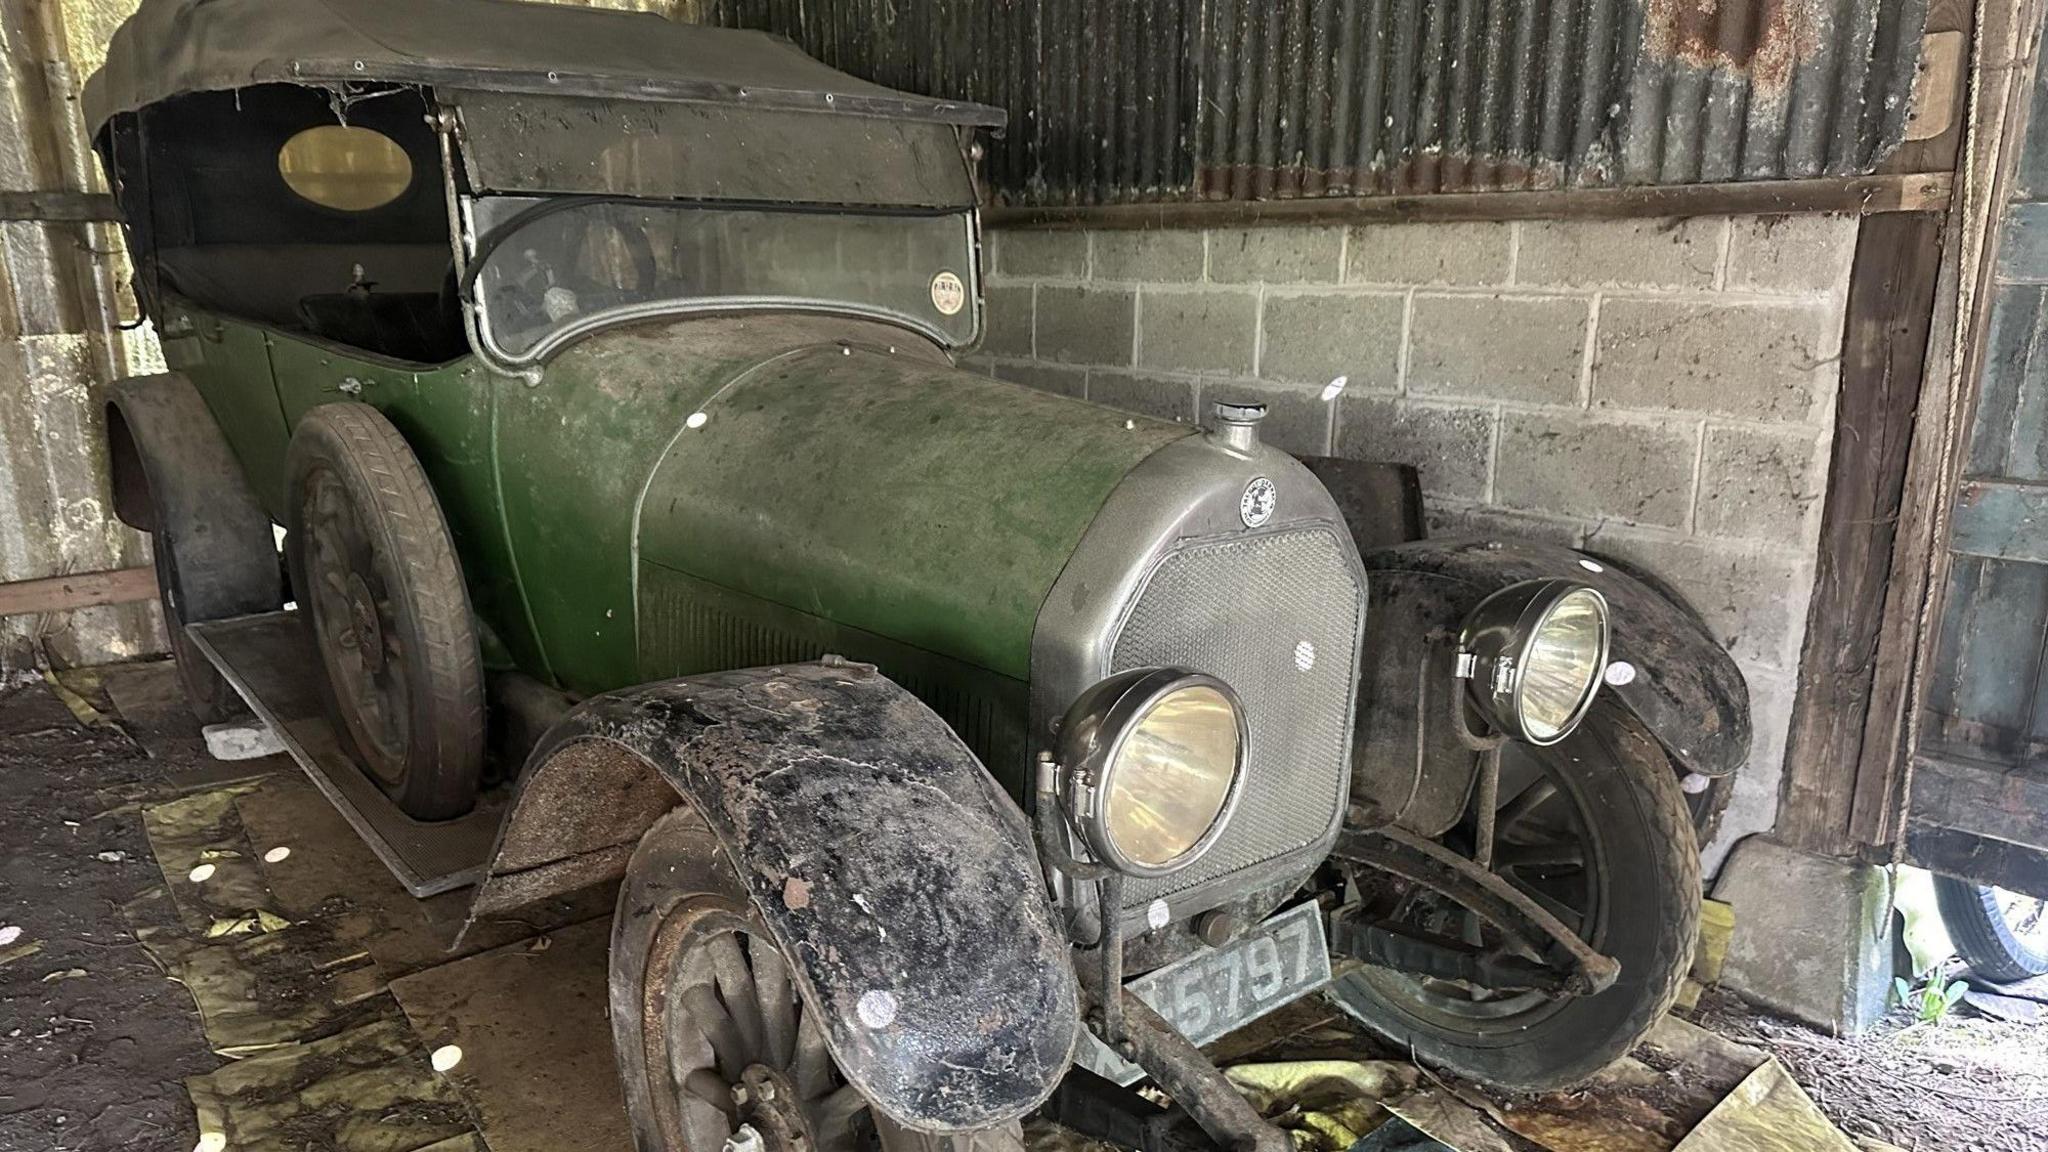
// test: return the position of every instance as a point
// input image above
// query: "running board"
(272, 663)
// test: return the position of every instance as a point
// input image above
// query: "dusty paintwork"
(955, 500)
(795, 769)
(573, 500)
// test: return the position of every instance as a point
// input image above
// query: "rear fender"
(1686, 690)
(174, 476)
(896, 875)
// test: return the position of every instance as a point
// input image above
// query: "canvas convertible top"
(172, 47)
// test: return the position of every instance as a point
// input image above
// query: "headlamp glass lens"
(1171, 777)
(1563, 664)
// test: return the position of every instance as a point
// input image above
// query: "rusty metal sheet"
(1767, 1112)
(1136, 100)
(369, 1089)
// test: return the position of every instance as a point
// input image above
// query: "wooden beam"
(82, 590)
(1864, 195)
(1884, 352)
(1982, 799)
(1977, 859)
(58, 206)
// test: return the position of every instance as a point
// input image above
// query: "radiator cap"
(1237, 423)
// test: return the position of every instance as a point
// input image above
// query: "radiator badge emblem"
(1256, 506)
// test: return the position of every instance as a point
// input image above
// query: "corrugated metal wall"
(61, 333)
(1123, 100)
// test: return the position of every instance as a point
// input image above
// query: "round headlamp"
(1153, 761)
(1532, 655)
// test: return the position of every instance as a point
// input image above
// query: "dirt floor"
(99, 1043)
(1965, 1084)
(93, 1039)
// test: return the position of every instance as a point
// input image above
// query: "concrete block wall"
(1661, 391)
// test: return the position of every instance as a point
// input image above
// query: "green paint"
(894, 495)
(228, 361)
(848, 491)
(444, 413)
(689, 625)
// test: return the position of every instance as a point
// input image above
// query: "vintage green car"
(599, 372)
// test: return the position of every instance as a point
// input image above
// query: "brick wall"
(1657, 390)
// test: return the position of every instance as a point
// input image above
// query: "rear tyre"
(1597, 830)
(705, 1014)
(379, 587)
(2003, 935)
(212, 699)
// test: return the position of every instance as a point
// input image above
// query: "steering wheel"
(539, 285)
(595, 294)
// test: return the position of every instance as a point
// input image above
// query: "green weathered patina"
(889, 492)
(684, 495)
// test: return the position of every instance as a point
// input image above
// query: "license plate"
(1218, 990)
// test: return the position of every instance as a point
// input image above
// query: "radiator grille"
(1253, 611)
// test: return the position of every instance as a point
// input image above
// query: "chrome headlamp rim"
(1487, 635)
(1096, 727)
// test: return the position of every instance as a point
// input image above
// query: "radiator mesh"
(1253, 611)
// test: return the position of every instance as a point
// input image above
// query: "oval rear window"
(346, 168)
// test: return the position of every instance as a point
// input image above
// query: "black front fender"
(1686, 690)
(887, 862)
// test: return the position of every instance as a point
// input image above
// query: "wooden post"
(1849, 762)
(1884, 353)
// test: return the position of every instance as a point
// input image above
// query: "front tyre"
(378, 584)
(1597, 830)
(710, 1032)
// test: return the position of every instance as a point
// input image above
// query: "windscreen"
(550, 269)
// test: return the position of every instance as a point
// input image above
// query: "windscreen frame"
(480, 242)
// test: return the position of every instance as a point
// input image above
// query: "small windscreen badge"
(949, 295)
(1256, 506)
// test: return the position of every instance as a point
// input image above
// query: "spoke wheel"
(1597, 832)
(381, 592)
(716, 1047)
(734, 1043)
(1544, 847)
(357, 627)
